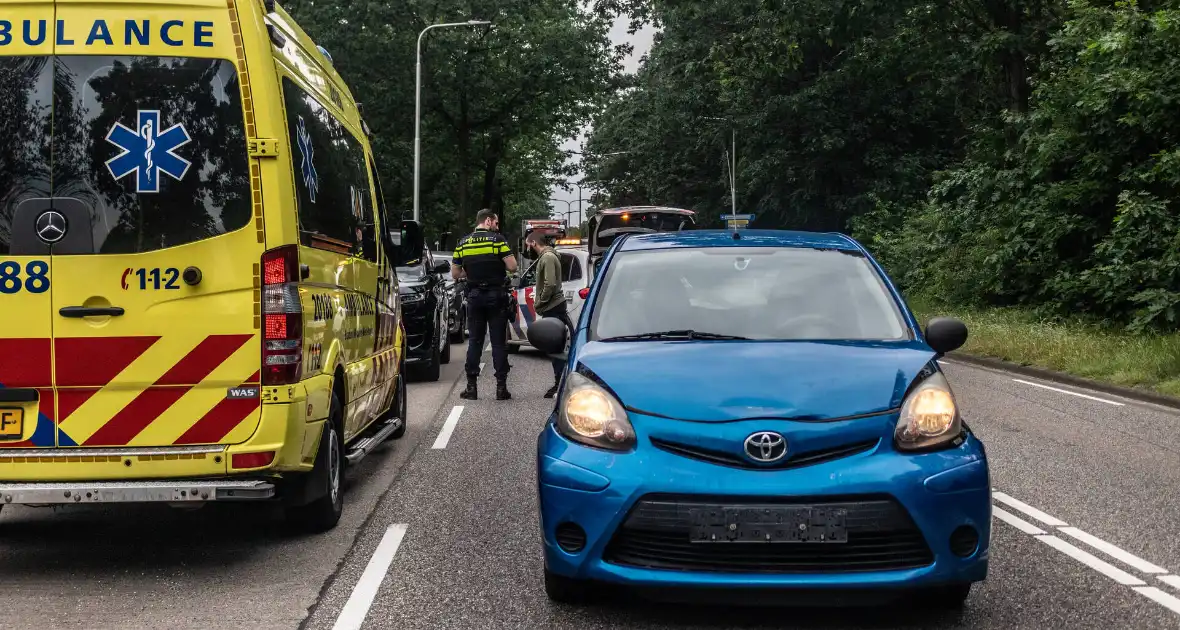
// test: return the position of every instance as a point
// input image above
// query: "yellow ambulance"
(197, 291)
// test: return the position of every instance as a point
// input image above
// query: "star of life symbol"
(148, 151)
(310, 180)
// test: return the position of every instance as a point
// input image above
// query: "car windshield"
(415, 272)
(752, 293)
(611, 226)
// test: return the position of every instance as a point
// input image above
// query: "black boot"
(502, 391)
(470, 393)
(552, 390)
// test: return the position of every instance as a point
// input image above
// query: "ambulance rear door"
(26, 123)
(155, 263)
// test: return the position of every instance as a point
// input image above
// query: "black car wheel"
(323, 513)
(432, 371)
(400, 409)
(460, 334)
(566, 590)
(445, 354)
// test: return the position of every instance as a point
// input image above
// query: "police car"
(197, 290)
(575, 274)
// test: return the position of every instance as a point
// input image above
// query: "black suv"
(425, 310)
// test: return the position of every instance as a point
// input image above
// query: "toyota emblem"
(51, 226)
(766, 447)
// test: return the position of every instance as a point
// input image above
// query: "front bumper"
(599, 491)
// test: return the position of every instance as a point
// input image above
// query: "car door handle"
(90, 311)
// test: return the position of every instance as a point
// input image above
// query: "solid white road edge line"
(1112, 551)
(1012, 520)
(1160, 597)
(357, 607)
(1101, 566)
(448, 427)
(1171, 580)
(1028, 510)
(1066, 391)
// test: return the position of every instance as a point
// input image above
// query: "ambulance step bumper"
(174, 491)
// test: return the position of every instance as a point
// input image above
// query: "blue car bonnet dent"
(734, 380)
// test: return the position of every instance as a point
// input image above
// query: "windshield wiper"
(672, 334)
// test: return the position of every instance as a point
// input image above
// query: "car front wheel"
(566, 590)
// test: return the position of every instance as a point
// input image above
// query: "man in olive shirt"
(549, 300)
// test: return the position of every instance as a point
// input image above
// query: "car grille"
(881, 537)
(807, 458)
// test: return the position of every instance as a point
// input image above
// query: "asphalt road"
(441, 532)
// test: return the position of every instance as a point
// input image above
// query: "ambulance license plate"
(12, 424)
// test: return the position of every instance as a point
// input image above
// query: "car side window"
(529, 278)
(571, 268)
(380, 211)
(331, 176)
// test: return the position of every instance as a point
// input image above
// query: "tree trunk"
(463, 215)
(489, 179)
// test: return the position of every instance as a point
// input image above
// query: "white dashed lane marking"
(1066, 391)
(1138, 584)
(357, 607)
(444, 436)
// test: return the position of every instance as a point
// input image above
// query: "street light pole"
(732, 162)
(418, 104)
(733, 172)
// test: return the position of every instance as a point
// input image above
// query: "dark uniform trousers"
(487, 311)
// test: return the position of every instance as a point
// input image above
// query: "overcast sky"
(642, 43)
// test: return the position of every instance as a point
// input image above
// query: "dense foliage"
(990, 152)
(496, 103)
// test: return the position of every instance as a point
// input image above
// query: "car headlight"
(593, 416)
(413, 297)
(929, 416)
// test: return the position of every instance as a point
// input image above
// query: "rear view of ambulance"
(197, 297)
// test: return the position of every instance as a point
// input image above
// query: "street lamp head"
(477, 22)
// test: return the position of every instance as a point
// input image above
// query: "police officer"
(483, 257)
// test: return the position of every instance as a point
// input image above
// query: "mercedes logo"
(51, 226)
(766, 446)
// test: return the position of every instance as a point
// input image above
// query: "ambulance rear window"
(154, 147)
(25, 117)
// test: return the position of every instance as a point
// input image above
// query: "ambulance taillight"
(282, 317)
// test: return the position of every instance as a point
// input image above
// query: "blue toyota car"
(757, 411)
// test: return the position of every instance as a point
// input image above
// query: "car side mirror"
(945, 334)
(548, 335)
(442, 266)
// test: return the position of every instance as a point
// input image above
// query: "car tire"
(445, 355)
(324, 513)
(432, 371)
(953, 597)
(399, 409)
(564, 590)
(512, 348)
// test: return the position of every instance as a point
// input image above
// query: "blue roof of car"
(749, 238)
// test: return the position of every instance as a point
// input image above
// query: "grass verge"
(1074, 347)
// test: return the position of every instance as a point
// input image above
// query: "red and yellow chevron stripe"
(132, 391)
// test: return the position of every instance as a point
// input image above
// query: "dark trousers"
(487, 313)
(561, 311)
